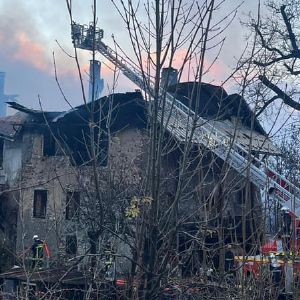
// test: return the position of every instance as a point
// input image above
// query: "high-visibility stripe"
(39, 251)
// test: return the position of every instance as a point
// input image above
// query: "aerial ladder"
(178, 120)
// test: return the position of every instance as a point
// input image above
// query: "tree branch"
(290, 31)
(265, 45)
(281, 94)
(267, 103)
(291, 70)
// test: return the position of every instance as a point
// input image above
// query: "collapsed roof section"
(11, 125)
(116, 105)
(69, 132)
(115, 111)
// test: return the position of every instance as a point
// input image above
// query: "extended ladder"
(178, 120)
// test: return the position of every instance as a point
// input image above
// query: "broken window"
(40, 203)
(48, 144)
(78, 143)
(72, 205)
(71, 244)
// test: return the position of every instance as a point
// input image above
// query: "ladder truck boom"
(177, 119)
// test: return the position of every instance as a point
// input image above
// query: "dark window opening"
(76, 141)
(1, 153)
(49, 144)
(71, 244)
(40, 203)
(79, 148)
(240, 196)
(72, 205)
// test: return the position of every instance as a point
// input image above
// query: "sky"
(30, 31)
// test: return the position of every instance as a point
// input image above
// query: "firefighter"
(90, 36)
(276, 271)
(229, 259)
(109, 262)
(286, 221)
(37, 250)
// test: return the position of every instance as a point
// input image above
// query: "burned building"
(69, 175)
(47, 163)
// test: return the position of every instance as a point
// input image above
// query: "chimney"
(168, 77)
(95, 69)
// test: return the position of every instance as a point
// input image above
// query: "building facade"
(68, 177)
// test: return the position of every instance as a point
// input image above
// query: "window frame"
(49, 144)
(40, 195)
(71, 244)
(72, 205)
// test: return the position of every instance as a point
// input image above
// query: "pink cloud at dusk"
(21, 47)
(30, 52)
(214, 71)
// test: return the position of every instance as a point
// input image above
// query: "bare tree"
(176, 203)
(277, 51)
(163, 221)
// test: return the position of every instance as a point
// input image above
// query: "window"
(40, 203)
(48, 144)
(71, 244)
(240, 196)
(72, 205)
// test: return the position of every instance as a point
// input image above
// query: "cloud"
(28, 30)
(214, 71)
(30, 52)
(21, 36)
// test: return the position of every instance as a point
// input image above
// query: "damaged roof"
(245, 137)
(118, 104)
(10, 126)
(230, 114)
(213, 103)
(126, 108)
